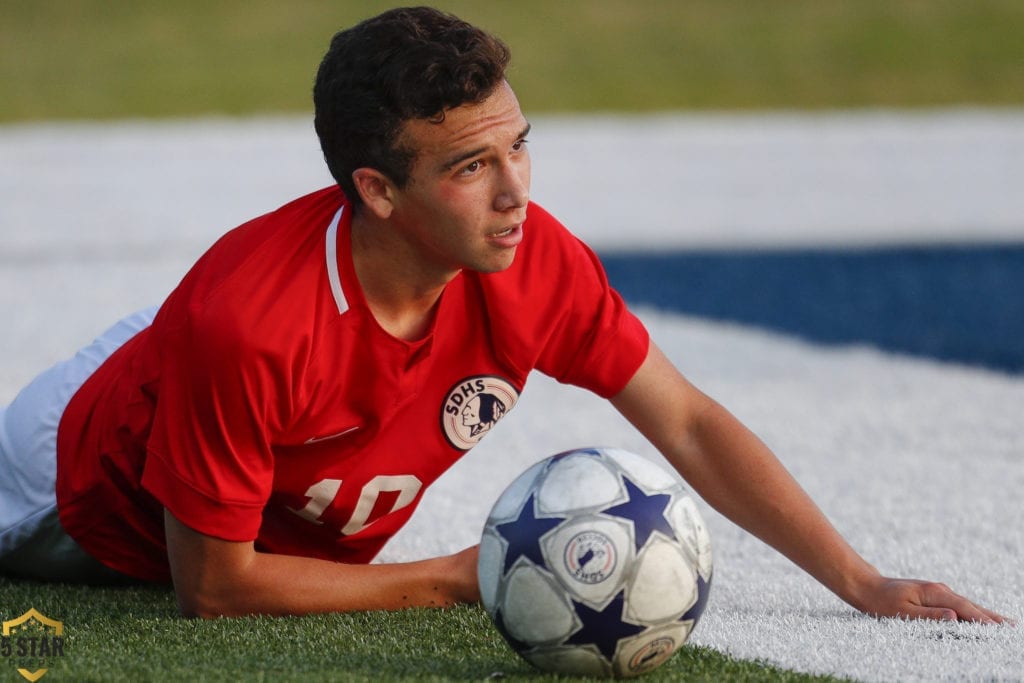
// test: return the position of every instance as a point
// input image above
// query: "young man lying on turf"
(259, 437)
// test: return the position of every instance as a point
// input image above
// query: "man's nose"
(515, 186)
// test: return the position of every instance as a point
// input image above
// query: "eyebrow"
(469, 154)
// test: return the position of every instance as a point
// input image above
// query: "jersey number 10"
(324, 492)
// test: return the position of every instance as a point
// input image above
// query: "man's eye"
(470, 168)
(520, 145)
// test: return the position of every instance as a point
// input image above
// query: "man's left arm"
(737, 474)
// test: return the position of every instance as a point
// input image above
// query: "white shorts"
(32, 542)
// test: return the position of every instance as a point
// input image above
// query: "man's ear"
(376, 190)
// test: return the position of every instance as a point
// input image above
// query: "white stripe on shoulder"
(332, 263)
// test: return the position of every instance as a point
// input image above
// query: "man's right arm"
(213, 577)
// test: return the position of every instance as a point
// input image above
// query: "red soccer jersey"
(265, 402)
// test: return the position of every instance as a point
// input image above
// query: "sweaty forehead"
(495, 121)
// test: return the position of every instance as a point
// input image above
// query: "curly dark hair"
(407, 63)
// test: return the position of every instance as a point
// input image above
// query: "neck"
(400, 290)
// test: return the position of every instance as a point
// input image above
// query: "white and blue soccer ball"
(595, 562)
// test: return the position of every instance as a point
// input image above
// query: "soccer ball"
(595, 562)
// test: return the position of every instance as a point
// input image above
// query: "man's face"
(465, 202)
(471, 413)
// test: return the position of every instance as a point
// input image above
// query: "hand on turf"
(911, 599)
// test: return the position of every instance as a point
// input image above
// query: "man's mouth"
(507, 238)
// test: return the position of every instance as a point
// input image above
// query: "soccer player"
(258, 437)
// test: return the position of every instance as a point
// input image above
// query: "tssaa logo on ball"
(590, 557)
(473, 406)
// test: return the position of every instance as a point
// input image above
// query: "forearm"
(738, 475)
(221, 578)
(728, 466)
(282, 584)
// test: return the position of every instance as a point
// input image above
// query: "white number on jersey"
(323, 493)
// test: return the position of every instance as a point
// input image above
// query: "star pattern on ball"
(603, 628)
(647, 512)
(523, 535)
(703, 592)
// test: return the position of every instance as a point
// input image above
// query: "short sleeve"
(209, 460)
(599, 343)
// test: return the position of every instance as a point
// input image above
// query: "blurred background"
(847, 171)
(63, 59)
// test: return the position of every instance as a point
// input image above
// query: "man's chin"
(497, 265)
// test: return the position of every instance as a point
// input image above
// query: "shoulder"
(547, 243)
(291, 223)
(546, 227)
(549, 255)
(554, 278)
(260, 278)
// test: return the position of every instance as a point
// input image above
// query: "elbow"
(197, 605)
(204, 600)
(212, 577)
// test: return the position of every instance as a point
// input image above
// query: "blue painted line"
(957, 303)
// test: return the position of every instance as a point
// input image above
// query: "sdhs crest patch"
(473, 406)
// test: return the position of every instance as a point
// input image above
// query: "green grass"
(117, 58)
(134, 634)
